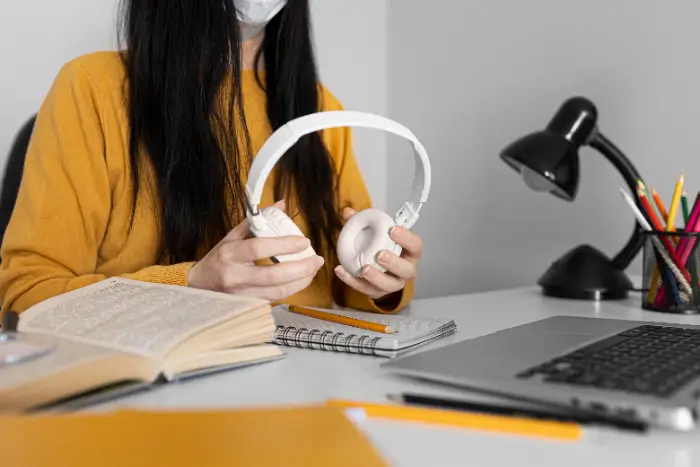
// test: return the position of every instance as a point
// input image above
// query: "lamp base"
(585, 273)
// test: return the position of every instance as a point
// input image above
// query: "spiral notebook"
(295, 330)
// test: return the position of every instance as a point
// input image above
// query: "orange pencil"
(660, 204)
(357, 323)
(460, 419)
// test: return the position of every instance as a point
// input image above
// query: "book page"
(148, 319)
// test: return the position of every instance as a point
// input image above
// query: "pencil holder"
(671, 262)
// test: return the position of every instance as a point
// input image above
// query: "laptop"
(635, 370)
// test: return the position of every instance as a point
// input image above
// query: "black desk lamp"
(548, 161)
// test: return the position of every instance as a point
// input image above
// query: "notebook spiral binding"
(292, 337)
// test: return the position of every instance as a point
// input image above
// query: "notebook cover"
(300, 436)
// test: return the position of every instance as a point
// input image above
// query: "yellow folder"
(297, 436)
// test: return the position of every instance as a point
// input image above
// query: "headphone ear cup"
(362, 238)
(278, 224)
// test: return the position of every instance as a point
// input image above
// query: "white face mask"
(254, 15)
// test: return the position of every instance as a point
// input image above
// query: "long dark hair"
(185, 111)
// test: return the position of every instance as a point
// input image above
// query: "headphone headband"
(287, 135)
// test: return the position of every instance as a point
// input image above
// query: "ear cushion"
(363, 237)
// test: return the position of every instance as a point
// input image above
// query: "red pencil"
(664, 239)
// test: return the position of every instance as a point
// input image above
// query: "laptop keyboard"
(649, 360)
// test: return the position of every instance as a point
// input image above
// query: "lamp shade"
(548, 160)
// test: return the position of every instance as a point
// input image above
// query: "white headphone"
(367, 232)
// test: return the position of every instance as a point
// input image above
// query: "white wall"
(351, 43)
(37, 38)
(470, 76)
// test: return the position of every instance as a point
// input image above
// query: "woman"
(138, 163)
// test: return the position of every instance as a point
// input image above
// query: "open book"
(122, 333)
(296, 330)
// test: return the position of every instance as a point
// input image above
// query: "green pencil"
(684, 203)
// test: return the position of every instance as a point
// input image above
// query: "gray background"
(470, 76)
(467, 76)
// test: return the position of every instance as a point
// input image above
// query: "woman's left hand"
(399, 269)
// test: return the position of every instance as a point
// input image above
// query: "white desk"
(307, 376)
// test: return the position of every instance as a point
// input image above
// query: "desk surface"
(308, 376)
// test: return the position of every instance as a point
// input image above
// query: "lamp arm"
(602, 144)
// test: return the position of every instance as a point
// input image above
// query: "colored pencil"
(642, 186)
(461, 419)
(654, 284)
(688, 244)
(660, 205)
(685, 246)
(670, 223)
(687, 227)
(668, 282)
(673, 210)
(357, 323)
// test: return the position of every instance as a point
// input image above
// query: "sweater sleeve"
(353, 193)
(63, 206)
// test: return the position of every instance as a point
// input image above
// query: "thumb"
(281, 205)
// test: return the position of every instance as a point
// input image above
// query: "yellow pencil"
(677, 192)
(357, 323)
(461, 419)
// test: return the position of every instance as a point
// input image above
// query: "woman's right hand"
(230, 266)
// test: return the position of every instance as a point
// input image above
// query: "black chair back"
(13, 174)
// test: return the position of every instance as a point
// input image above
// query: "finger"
(282, 273)
(408, 241)
(400, 267)
(348, 213)
(359, 284)
(281, 204)
(382, 281)
(239, 232)
(266, 247)
(277, 292)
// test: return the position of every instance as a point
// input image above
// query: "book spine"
(327, 340)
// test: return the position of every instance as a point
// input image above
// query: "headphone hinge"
(406, 216)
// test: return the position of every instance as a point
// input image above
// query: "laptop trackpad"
(499, 355)
(513, 353)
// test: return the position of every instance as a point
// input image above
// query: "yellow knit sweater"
(69, 226)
